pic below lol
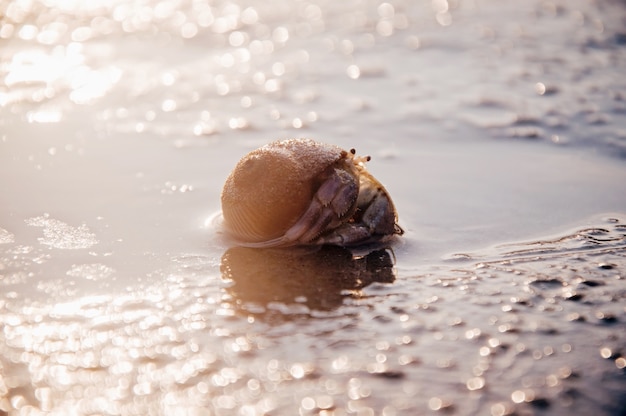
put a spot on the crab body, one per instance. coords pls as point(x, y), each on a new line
point(301, 192)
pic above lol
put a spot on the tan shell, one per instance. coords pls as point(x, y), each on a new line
point(271, 187)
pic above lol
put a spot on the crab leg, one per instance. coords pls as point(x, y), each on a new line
point(331, 203)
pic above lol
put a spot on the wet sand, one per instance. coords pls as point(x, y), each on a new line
point(497, 129)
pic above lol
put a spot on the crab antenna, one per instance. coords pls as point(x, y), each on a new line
point(359, 160)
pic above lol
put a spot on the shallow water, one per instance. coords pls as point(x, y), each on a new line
point(498, 129)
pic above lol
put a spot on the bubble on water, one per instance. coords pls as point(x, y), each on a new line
point(237, 38)
point(438, 403)
point(444, 18)
point(246, 101)
point(353, 71)
point(168, 105)
point(346, 46)
point(239, 123)
point(188, 30)
point(307, 403)
point(494, 342)
point(297, 123)
point(384, 28)
point(543, 89)
point(501, 409)
point(82, 33)
point(518, 396)
point(205, 128)
point(227, 60)
point(280, 34)
point(278, 69)
point(28, 32)
point(324, 402)
point(272, 85)
point(606, 317)
point(168, 78)
point(473, 333)
point(445, 363)
point(7, 30)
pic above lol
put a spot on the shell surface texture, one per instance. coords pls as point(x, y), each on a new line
point(302, 192)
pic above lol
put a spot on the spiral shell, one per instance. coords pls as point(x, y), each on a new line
point(271, 187)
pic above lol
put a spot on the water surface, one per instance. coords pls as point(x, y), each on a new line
point(498, 129)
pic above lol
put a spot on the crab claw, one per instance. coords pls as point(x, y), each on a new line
point(331, 204)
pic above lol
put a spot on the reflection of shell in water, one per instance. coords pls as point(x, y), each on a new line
point(272, 186)
point(318, 278)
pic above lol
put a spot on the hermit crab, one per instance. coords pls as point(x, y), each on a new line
point(302, 192)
